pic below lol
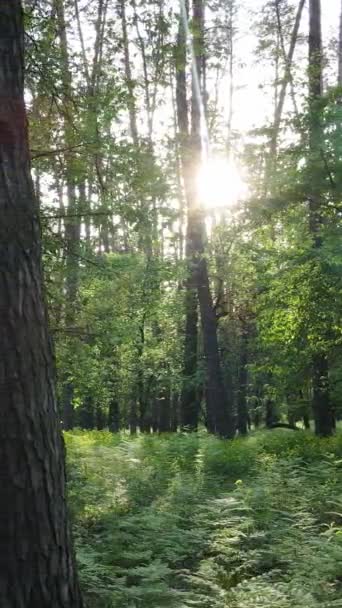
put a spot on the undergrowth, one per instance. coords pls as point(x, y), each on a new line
point(184, 521)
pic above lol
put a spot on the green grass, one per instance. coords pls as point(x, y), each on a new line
point(194, 521)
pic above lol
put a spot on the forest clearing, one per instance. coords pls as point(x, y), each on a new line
point(170, 303)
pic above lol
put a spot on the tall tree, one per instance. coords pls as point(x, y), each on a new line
point(36, 564)
point(219, 413)
point(72, 220)
point(189, 398)
point(322, 409)
point(339, 79)
point(287, 76)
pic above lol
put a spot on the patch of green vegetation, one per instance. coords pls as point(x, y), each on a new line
point(191, 520)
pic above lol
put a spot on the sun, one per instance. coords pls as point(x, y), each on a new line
point(220, 183)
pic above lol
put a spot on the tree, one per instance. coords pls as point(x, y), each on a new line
point(37, 565)
point(219, 414)
point(321, 403)
point(190, 399)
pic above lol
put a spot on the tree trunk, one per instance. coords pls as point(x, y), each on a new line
point(164, 407)
point(36, 562)
point(339, 79)
point(271, 417)
point(174, 412)
point(133, 418)
point(242, 391)
point(218, 409)
point(72, 220)
point(114, 416)
point(321, 404)
point(287, 77)
point(189, 401)
point(128, 75)
point(219, 415)
point(85, 413)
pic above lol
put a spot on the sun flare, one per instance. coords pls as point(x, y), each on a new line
point(220, 183)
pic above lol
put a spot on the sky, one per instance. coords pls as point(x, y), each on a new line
point(251, 100)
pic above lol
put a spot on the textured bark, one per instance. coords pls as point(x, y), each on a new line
point(36, 561)
point(321, 403)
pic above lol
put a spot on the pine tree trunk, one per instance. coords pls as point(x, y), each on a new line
point(36, 559)
point(321, 404)
point(189, 400)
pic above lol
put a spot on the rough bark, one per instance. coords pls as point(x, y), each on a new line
point(36, 560)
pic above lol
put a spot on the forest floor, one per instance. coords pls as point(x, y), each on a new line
point(194, 521)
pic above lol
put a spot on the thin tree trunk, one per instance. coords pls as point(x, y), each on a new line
point(81, 37)
point(36, 559)
point(339, 79)
point(128, 74)
point(231, 80)
point(287, 77)
point(147, 93)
